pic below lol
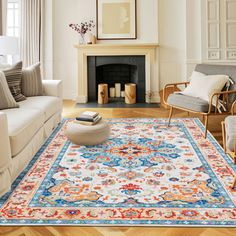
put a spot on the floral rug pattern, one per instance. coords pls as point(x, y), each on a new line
point(145, 174)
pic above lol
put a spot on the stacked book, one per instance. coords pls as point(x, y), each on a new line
point(88, 118)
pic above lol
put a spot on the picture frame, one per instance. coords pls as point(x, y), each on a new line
point(116, 19)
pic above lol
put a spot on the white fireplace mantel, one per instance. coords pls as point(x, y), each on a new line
point(144, 49)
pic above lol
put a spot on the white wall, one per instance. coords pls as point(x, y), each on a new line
point(175, 24)
point(193, 35)
point(172, 40)
point(64, 39)
point(180, 38)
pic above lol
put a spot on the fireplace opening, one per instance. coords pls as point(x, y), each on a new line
point(116, 73)
point(116, 69)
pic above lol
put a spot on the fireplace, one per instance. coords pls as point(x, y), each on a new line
point(116, 69)
point(145, 50)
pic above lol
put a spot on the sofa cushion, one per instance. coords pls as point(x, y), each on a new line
point(14, 77)
point(32, 81)
point(23, 124)
point(187, 102)
point(6, 98)
point(230, 126)
point(46, 104)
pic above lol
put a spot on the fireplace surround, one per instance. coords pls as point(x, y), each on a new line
point(148, 50)
point(116, 69)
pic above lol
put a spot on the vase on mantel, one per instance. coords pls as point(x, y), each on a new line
point(90, 38)
point(82, 40)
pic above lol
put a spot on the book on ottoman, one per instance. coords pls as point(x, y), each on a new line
point(88, 118)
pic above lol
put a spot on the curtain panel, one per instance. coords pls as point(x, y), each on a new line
point(31, 33)
point(1, 18)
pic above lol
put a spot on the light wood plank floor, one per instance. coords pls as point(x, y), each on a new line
point(70, 112)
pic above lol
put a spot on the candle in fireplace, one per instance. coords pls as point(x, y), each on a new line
point(118, 89)
point(112, 92)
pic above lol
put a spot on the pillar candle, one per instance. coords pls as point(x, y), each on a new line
point(118, 89)
point(112, 92)
point(122, 94)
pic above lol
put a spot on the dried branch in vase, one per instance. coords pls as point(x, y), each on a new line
point(83, 28)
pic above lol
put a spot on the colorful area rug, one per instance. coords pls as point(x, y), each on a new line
point(145, 174)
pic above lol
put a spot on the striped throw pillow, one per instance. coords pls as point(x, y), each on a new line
point(7, 101)
point(14, 77)
point(32, 81)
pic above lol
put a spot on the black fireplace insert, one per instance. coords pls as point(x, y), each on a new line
point(116, 69)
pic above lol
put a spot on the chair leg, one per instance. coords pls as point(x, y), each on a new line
point(170, 115)
point(224, 135)
point(234, 183)
point(234, 153)
point(206, 125)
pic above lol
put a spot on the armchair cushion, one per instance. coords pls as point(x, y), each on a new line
point(230, 128)
point(188, 102)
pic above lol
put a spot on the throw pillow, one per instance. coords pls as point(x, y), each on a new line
point(7, 100)
point(14, 76)
point(195, 84)
point(204, 86)
point(32, 81)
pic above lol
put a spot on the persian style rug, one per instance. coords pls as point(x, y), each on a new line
point(145, 174)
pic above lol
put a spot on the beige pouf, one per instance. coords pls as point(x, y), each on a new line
point(88, 135)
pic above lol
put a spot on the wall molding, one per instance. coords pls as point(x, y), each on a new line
point(193, 61)
point(219, 30)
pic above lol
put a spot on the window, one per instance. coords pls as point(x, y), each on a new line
point(13, 22)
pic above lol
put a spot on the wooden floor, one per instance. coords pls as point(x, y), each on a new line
point(70, 112)
point(214, 122)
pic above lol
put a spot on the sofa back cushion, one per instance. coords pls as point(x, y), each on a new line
point(6, 99)
point(14, 77)
point(32, 81)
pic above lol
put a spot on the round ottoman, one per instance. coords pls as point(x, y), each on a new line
point(88, 135)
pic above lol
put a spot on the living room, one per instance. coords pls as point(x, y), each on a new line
point(117, 117)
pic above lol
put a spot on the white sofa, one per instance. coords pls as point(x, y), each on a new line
point(23, 131)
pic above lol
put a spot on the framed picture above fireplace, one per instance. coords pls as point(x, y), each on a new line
point(116, 19)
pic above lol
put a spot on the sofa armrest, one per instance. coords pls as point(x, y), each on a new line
point(52, 88)
point(5, 149)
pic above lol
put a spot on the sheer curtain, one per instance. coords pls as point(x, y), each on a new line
point(1, 18)
point(3, 12)
point(31, 31)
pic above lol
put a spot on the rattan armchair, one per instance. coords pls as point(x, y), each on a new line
point(199, 106)
point(231, 151)
point(212, 109)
